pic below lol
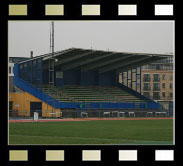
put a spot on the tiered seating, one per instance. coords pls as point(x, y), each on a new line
point(55, 92)
point(74, 93)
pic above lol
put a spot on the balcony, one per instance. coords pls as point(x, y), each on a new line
point(156, 79)
point(156, 89)
point(146, 79)
point(146, 88)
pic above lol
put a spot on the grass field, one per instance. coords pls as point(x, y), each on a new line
point(93, 132)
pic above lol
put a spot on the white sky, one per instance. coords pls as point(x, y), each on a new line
point(122, 36)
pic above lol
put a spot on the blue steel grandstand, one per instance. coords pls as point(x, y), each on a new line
point(85, 80)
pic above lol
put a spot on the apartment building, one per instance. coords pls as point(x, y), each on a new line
point(155, 81)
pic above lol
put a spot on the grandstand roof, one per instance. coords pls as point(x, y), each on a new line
point(103, 61)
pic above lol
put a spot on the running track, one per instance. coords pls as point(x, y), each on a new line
point(83, 119)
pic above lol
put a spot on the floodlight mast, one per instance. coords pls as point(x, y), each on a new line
point(51, 59)
point(51, 64)
point(52, 38)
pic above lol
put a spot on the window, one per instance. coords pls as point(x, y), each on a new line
point(171, 77)
point(146, 86)
point(9, 70)
point(163, 85)
point(156, 87)
point(146, 78)
point(171, 94)
point(163, 94)
point(171, 85)
point(156, 95)
point(159, 67)
point(163, 77)
point(59, 74)
point(156, 78)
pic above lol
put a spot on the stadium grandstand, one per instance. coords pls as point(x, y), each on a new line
point(84, 83)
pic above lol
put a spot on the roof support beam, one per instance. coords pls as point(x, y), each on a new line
point(60, 53)
point(133, 66)
point(66, 60)
point(126, 63)
point(107, 62)
point(47, 56)
point(89, 60)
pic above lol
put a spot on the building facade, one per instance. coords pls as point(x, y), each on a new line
point(155, 81)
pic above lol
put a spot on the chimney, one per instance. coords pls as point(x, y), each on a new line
point(31, 54)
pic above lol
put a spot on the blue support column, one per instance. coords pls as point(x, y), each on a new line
point(31, 72)
point(27, 73)
point(18, 70)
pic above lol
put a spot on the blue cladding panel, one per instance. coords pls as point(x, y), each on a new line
point(107, 79)
point(45, 76)
point(59, 82)
point(89, 78)
point(117, 79)
point(72, 77)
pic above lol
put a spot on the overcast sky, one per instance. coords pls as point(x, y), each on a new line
point(122, 36)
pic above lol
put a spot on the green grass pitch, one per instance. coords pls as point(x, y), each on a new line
point(93, 132)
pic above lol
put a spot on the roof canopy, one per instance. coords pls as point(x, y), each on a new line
point(102, 61)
